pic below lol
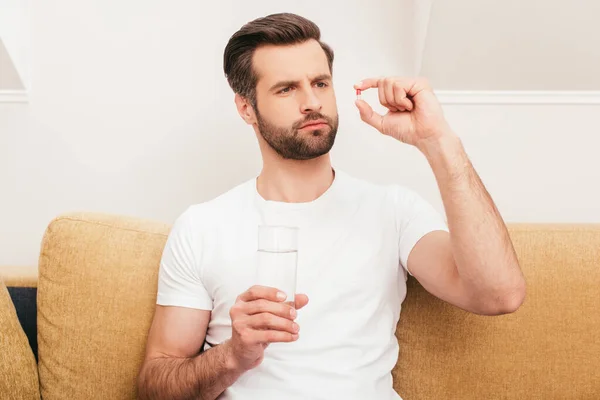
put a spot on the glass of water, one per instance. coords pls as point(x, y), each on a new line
point(278, 259)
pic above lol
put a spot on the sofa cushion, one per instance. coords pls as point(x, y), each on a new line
point(548, 349)
point(18, 369)
point(96, 298)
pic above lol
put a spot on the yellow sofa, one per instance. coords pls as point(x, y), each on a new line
point(96, 287)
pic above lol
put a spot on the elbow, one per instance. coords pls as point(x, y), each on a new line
point(510, 305)
point(510, 301)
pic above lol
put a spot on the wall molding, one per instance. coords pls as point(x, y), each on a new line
point(499, 97)
point(13, 96)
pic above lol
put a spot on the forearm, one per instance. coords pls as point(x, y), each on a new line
point(204, 377)
point(481, 246)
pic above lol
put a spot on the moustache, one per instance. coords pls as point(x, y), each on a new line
point(312, 117)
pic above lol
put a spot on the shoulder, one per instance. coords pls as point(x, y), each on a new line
point(354, 186)
point(200, 216)
point(390, 199)
point(405, 196)
point(391, 193)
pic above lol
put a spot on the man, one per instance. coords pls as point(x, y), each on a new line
point(359, 240)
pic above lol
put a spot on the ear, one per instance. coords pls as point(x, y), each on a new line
point(245, 109)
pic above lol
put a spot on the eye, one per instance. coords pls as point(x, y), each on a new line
point(285, 90)
point(322, 84)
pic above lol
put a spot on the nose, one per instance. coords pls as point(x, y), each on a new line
point(311, 103)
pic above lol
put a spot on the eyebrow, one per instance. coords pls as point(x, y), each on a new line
point(283, 84)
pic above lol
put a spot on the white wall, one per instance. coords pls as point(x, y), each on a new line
point(15, 53)
point(513, 45)
point(130, 114)
point(9, 77)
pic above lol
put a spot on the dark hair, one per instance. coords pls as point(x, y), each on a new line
point(274, 29)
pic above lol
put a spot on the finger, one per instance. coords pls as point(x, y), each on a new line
point(283, 310)
point(253, 336)
point(382, 97)
point(411, 86)
point(275, 336)
point(386, 96)
point(400, 97)
point(262, 292)
point(369, 116)
point(301, 301)
point(267, 321)
point(388, 89)
point(368, 83)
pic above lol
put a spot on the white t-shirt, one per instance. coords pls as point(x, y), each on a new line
point(354, 242)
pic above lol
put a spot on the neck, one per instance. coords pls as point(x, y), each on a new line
point(294, 181)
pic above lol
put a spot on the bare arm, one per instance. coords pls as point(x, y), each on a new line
point(475, 266)
point(173, 369)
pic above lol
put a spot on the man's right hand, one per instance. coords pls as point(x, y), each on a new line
point(261, 316)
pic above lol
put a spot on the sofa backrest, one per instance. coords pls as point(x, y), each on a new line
point(96, 296)
point(548, 349)
point(97, 291)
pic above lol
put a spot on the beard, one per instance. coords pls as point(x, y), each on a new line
point(292, 144)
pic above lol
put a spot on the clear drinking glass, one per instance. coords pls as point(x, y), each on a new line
point(278, 259)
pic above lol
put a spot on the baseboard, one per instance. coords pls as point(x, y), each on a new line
point(482, 97)
point(13, 96)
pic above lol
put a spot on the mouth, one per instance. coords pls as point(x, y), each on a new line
point(317, 124)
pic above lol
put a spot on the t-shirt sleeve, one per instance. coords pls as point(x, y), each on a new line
point(179, 278)
point(415, 218)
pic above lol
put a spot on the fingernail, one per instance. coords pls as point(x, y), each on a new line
point(295, 337)
point(281, 296)
point(295, 327)
point(293, 313)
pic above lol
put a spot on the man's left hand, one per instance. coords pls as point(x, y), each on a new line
point(415, 115)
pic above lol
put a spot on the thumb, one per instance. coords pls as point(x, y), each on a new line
point(368, 115)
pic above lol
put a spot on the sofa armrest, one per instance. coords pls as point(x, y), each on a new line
point(21, 283)
point(19, 276)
